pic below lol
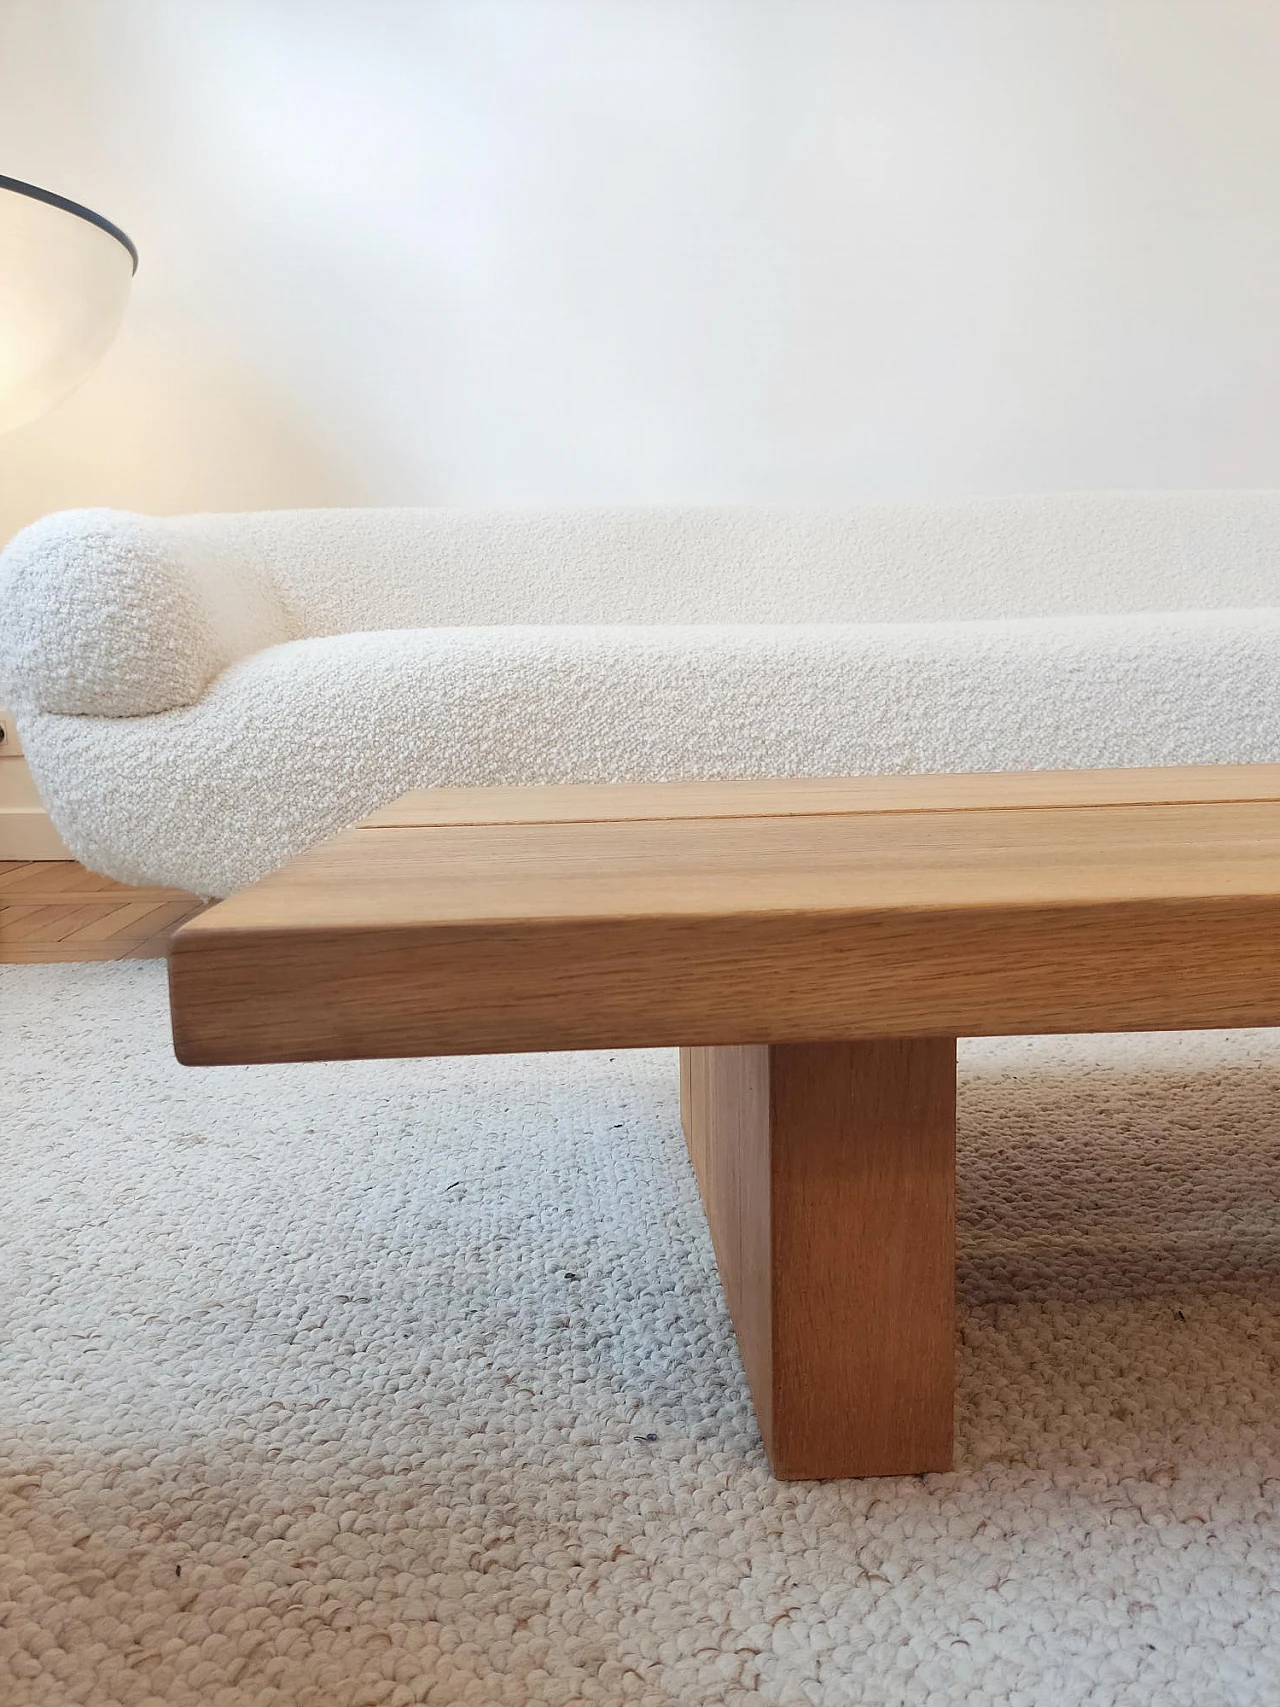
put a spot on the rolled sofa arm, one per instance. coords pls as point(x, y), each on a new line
point(109, 614)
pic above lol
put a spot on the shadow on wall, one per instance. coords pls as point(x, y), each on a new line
point(167, 424)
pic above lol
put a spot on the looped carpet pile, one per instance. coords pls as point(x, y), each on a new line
point(404, 1382)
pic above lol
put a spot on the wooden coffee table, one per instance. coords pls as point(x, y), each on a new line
point(815, 947)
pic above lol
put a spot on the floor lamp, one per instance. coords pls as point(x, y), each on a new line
point(65, 274)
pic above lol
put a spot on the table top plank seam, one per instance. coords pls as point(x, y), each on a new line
point(819, 812)
point(785, 797)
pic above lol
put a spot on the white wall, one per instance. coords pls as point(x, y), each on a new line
point(488, 251)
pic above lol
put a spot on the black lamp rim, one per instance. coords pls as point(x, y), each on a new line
point(68, 206)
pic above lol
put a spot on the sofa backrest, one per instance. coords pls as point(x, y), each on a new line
point(113, 614)
point(1075, 553)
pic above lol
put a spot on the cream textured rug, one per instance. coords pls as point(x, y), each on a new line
point(411, 1381)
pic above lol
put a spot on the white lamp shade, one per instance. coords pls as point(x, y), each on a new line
point(65, 274)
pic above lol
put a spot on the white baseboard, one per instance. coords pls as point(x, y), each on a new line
point(26, 832)
point(25, 828)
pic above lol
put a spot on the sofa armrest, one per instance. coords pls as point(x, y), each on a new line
point(110, 614)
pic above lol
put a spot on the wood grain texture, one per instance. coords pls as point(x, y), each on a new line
point(743, 927)
point(828, 1176)
point(679, 931)
point(700, 868)
point(55, 910)
point(686, 1096)
point(810, 796)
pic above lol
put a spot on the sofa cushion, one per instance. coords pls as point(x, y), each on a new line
point(299, 740)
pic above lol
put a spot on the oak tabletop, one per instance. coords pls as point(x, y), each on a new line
point(593, 916)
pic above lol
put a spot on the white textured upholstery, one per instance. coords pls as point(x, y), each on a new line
point(201, 697)
point(115, 615)
point(1072, 554)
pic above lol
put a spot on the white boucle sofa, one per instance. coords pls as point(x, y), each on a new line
point(201, 697)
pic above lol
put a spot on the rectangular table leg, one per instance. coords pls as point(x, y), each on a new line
point(827, 1171)
point(686, 1094)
